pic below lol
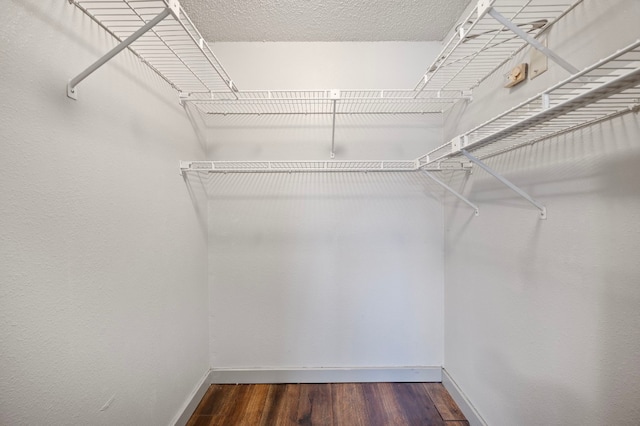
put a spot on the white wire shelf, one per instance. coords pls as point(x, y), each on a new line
point(173, 48)
point(270, 102)
point(606, 89)
point(315, 166)
point(479, 44)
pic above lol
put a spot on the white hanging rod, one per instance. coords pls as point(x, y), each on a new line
point(338, 113)
point(310, 166)
point(310, 94)
point(333, 102)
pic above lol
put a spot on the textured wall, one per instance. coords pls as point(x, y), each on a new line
point(339, 270)
point(542, 316)
point(103, 314)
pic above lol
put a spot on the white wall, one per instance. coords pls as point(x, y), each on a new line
point(341, 270)
point(103, 296)
point(310, 270)
point(325, 65)
point(542, 317)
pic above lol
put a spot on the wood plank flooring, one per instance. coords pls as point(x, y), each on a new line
point(331, 404)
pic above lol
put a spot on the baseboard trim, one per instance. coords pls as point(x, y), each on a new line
point(327, 375)
point(461, 399)
point(307, 375)
point(193, 400)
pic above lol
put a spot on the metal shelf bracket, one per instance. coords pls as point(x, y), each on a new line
point(502, 179)
point(334, 95)
point(484, 6)
point(526, 37)
point(333, 131)
point(174, 7)
point(454, 192)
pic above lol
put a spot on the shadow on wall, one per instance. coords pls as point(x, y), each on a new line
point(196, 186)
point(197, 123)
point(556, 302)
point(305, 137)
point(539, 169)
point(527, 393)
point(306, 186)
point(90, 36)
point(619, 308)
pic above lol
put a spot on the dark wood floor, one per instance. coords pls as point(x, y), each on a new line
point(348, 404)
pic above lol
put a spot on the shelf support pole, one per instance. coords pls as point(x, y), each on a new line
point(502, 179)
point(333, 131)
point(71, 86)
point(454, 192)
point(532, 41)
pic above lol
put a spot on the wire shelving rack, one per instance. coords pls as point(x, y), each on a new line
point(173, 47)
point(491, 33)
point(479, 44)
point(608, 88)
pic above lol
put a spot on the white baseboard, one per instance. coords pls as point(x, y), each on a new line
point(306, 375)
point(463, 402)
point(327, 375)
point(192, 401)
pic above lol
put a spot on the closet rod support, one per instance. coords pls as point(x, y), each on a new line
point(71, 86)
point(454, 192)
point(532, 41)
point(333, 131)
point(502, 179)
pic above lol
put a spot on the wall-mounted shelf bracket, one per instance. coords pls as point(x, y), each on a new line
point(333, 132)
point(73, 83)
point(183, 98)
point(502, 179)
point(334, 95)
point(526, 37)
point(454, 192)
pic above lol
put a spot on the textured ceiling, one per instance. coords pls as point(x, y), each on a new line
point(324, 20)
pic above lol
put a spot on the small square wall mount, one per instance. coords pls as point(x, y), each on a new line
point(72, 92)
point(334, 94)
point(538, 62)
point(484, 6)
point(458, 143)
point(174, 5)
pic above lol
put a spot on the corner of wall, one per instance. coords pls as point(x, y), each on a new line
point(467, 408)
point(192, 401)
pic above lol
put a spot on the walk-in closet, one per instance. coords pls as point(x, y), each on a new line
point(320, 212)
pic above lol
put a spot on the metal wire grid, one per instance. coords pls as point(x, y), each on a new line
point(606, 89)
point(486, 44)
point(173, 48)
point(297, 166)
point(321, 102)
point(176, 51)
point(595, 112)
